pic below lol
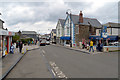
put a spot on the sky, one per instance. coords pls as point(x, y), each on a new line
point(42, 15)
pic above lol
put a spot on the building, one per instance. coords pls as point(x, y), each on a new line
point(113, 28)
point(5, 40)
point(29, 34)
point(59, 30)
point(77, 27)
point(53, 36)
point(84, 27)
point(45, 36)
point(112, 32)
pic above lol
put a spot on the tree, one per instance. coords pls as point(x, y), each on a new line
point(15, 38)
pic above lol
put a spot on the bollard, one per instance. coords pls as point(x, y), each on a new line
point(22, 51)
point(26, 49)
point(107, 50)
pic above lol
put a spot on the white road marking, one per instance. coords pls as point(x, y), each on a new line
point(57, 71)
point(43, 52)
point(53, 72)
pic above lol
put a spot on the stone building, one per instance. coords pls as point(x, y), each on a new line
point(85, 27)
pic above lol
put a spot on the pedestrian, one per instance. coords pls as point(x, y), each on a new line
point(12, 49)
point(20, 46)
point(28, 42)
point(101, 46)
point(17, 44)
point(83, 43)
point(91, 46)
point(98, 46)
point(32, 42)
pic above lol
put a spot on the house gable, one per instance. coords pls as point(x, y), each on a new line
point(67, 26)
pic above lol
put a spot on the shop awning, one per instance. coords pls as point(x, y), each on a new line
point(109, 37)
point(94, 37)
point(113, 38)
point(65, 38)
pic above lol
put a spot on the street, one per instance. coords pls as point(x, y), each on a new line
point(65, 63)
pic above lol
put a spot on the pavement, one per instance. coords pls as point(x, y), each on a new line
point(79, 49)
point(10, 60)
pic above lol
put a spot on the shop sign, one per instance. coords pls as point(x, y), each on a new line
point(10, 33)
point(3, 32)
point(104, 32)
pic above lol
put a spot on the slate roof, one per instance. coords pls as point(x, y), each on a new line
point(54, 30)
point(28, 32)
point(112, 24)
point(62, 22)
point(86, 21)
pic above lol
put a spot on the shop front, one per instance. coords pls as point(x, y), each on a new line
point(5, 41)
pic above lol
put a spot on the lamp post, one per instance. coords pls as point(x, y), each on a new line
point(68, 12)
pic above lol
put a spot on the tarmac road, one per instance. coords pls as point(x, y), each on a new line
point(66, 63)
point(74, 64)
point(32, 65)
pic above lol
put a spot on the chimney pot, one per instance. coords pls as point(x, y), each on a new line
point(81, 17)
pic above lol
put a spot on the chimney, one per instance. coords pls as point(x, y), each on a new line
point(81, 17)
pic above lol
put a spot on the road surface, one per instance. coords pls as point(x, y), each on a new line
point(65, 63)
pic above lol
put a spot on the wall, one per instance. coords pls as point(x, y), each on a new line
point(30, 35)
point(83, 33)
point(111, 48)
point(1, 24)
point(53, 37)
point(98, 32)
point(67, 25)
point(59, 30)
point(110, 31)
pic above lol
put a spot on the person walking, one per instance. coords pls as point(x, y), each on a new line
point(91, 46)
point(12, 49)
point(17, 44)
point(20, 46)
point(28, 42)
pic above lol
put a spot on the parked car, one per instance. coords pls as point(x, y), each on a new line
point(43, 43)
point(114, 44)
point(47, 42)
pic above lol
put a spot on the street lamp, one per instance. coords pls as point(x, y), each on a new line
point(68, 12)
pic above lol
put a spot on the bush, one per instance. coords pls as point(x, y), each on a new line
point(25, 41)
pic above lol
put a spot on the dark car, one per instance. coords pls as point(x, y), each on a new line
point(43, 43)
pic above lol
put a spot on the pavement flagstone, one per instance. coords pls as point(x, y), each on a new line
point(11, 59)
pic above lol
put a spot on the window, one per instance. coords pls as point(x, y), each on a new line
point(90, 28)
point(68, 30)
point(77, 29)
point(99, 31)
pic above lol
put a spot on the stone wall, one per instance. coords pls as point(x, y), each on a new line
point(83, 33)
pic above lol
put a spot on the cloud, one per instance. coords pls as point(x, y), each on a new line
point(119, 12)
point(44, 15)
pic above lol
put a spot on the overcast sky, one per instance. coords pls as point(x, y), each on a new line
point(42, 16)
